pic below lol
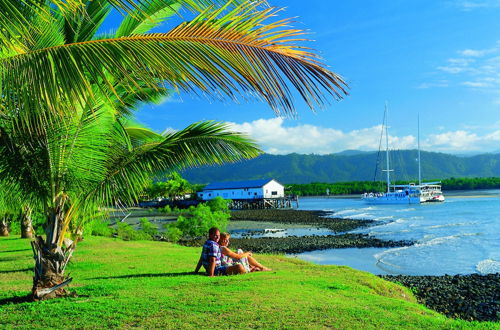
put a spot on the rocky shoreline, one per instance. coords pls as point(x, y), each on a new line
point(468, 297)
point(294, 244)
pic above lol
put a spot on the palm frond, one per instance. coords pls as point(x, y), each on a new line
point(81, 25)
point(203, 143)
point(221, 54)
point(153, 15)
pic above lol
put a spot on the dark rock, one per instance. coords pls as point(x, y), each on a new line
point(469, 297)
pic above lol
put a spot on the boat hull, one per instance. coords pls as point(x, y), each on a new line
point(434, 199)
point(391, 200)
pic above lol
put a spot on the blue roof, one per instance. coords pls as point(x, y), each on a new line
point(237, 184)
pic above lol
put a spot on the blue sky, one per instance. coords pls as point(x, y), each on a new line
point(436, 58)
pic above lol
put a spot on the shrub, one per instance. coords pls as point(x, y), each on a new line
point(165, 209)
point(201, 219)
point(173, 234)
point(98, 228)
point(219, 204)
point(128, 233)
point(148, 228)
point(14, 227)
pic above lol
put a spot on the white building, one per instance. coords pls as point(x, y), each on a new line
point(254, 189)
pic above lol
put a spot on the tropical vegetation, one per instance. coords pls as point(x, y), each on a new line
point(175, 186)
point(359, 187)
point(68, 142)
point(197, 220)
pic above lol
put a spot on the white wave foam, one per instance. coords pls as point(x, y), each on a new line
point(357, 210)
point(406, 210)
point(441, 240)
point(388, 217)
point(488, 266)
point(432, 242)
point(361, 216)
point(451, 225)
point(346, 211)
point(380, 256)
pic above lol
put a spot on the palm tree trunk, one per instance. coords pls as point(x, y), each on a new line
point(50, 263)
point(50, 258)
point(4, 226)
point(26, 223)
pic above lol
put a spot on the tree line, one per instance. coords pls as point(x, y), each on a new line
point(359, 187)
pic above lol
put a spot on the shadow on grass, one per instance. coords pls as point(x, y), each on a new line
point(15, 250)
point(149, 275)
point(12, 258)
point(16, 271)
point(16, 300)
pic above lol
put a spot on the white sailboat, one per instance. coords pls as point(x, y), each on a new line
point(405, 194)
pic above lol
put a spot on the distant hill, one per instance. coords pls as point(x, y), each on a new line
point(349, 166)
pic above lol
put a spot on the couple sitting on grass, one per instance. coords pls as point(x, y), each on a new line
point(218, 259)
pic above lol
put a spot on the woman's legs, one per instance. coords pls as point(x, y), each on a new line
point(236, 269)
point(256, 264)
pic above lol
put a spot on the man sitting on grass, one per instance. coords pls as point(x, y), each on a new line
point(211, 257)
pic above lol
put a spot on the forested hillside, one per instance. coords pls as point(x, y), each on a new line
point(362, 166)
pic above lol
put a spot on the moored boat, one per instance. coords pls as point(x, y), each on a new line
point(404, 194)
point(430, 192)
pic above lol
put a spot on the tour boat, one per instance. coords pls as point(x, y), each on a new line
point(424, 192)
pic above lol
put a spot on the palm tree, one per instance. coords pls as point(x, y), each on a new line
point(73, 167)
point(4, 224)
point(65, 144)
point(11, 205)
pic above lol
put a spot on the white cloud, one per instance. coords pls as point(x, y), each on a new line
point(442, 83)
point(451, 69)
point(277, 138)
point(478, 69)
point(477, 84)
point(462, 141)
point(475, 52)
point(493, 137)
point(468, 5)
point(458, 140)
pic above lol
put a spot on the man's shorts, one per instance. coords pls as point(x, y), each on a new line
point(221, 270)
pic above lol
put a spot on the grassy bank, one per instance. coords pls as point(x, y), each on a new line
point(148, 284)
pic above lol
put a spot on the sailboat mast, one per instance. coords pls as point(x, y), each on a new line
point(387, 150)
point(418, 139)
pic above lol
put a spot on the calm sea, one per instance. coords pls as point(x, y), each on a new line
point(459, 236)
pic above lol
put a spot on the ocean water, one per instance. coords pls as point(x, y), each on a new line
point(459, 236)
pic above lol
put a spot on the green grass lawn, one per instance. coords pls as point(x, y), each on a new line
point(149, 284)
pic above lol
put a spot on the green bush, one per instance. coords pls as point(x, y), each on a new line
point(173, 234)
point(165, 209)
point(128, 233)
point(219, 204)
point(15, 228)
point(148, 228)
point(200, 220)
point(98, 228)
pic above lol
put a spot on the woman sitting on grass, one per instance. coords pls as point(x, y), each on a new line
point(229, 258)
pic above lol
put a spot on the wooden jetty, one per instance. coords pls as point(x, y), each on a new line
point(265, 203)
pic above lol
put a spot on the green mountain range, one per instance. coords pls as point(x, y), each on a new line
point(350, 166)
